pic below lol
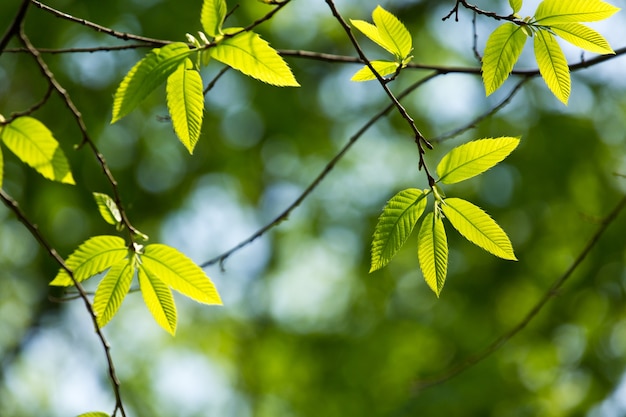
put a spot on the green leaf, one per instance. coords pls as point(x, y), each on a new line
point(477, 227)
point(552, 64)
point(432, 251)
point(516, 5)
point(112, 290)
point(147, 75)
point(473, 158)
point(94, 414)
point(212, 16)
point(185, 101)
point(32, 142)
point(382, 67)
point(583, 37)
point(394, 35)
point(371, 32)
point(248, 53)
point(158, 299)
point(108, 209)
point(180, 273)
point(570, 11)
point(502, 51)
point(92, 257)
point(395, 225)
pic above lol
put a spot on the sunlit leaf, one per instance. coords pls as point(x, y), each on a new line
point(395, 225)
point(473, 158)
point(95, 414)
point(147, 75)
point(180, 273)
point(371, 31)
point(569, 11)
point(248, 53)
point(516, 5)
point(158, 299)
point(32, 142)
point(112, 290)
point(432, 252)
point(502, 51)
point(583, 37)
point(212, 16)
point(92, 257)
point(393, 33)
point(382, 67)
point(552, 64)
point(477, 227)
point(185, 102)
point(108, 209)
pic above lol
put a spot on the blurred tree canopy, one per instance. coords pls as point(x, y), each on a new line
point(305, 330)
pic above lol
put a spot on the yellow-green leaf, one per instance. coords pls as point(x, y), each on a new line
point(516, 5)
point(473, 158)
point(371, 31)
point(583, 37)
point(395, 225)
point(394, 35)
point(552, 64)
point(107, 208)
point(112, 290)
point(248, 53)
point(569, 11)
point(432, 252)
point(477, 227)
point(383, 68)
point(502, 51)
point(158, 299)
point(185, 102)
point(94, 414)
point(180, 273)
point(212, 16)
point(147, 75)
point(32, 142)
point(92, 257)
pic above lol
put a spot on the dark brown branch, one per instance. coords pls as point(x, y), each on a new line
point(14, 27)
point(31, 110)
point(455, 11)
point(83, 50)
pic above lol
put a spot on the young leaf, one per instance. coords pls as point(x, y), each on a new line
point(393, 33)
point(432, 252)
point(108, 209)
point(212, 16)
point(90, 258)
point(112, 290)
point(473, 158)
point(382, 67)
point(583, 37)
point(94, 414)
point(180, 273)
point(477, 227)
point(147, 75)
point(32, 142)
point(516, 5)
point(395, 225)
point(570, 11)
point(552, 64)
point(248, 53)
point(371, 32)
point(158, 299)
point(185, 102)
point(502, 51)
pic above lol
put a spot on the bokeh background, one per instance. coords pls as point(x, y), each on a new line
point(305, 330)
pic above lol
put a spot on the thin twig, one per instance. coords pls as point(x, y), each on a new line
point(30, 110)
point(84, 49)
point(14, 27)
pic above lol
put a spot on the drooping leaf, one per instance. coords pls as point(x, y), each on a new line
point(94, 414)
point(212, 16)
point(112, 290)
point(180, 273)
point(395, 225)
point(552, 65)
point(92, 257)
point(32, 142)
point(477, 227)
point(382, 67)
point(249, 53)
point(371, 31)
point(474, 158)
point(583, 37)
point(147, 75)
point(185, 102)
point(432, 252)
point(502, 51)
point(393, 33)
point(516, 5)
point(570, 11)
point(108, 209)
point(158, 299)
